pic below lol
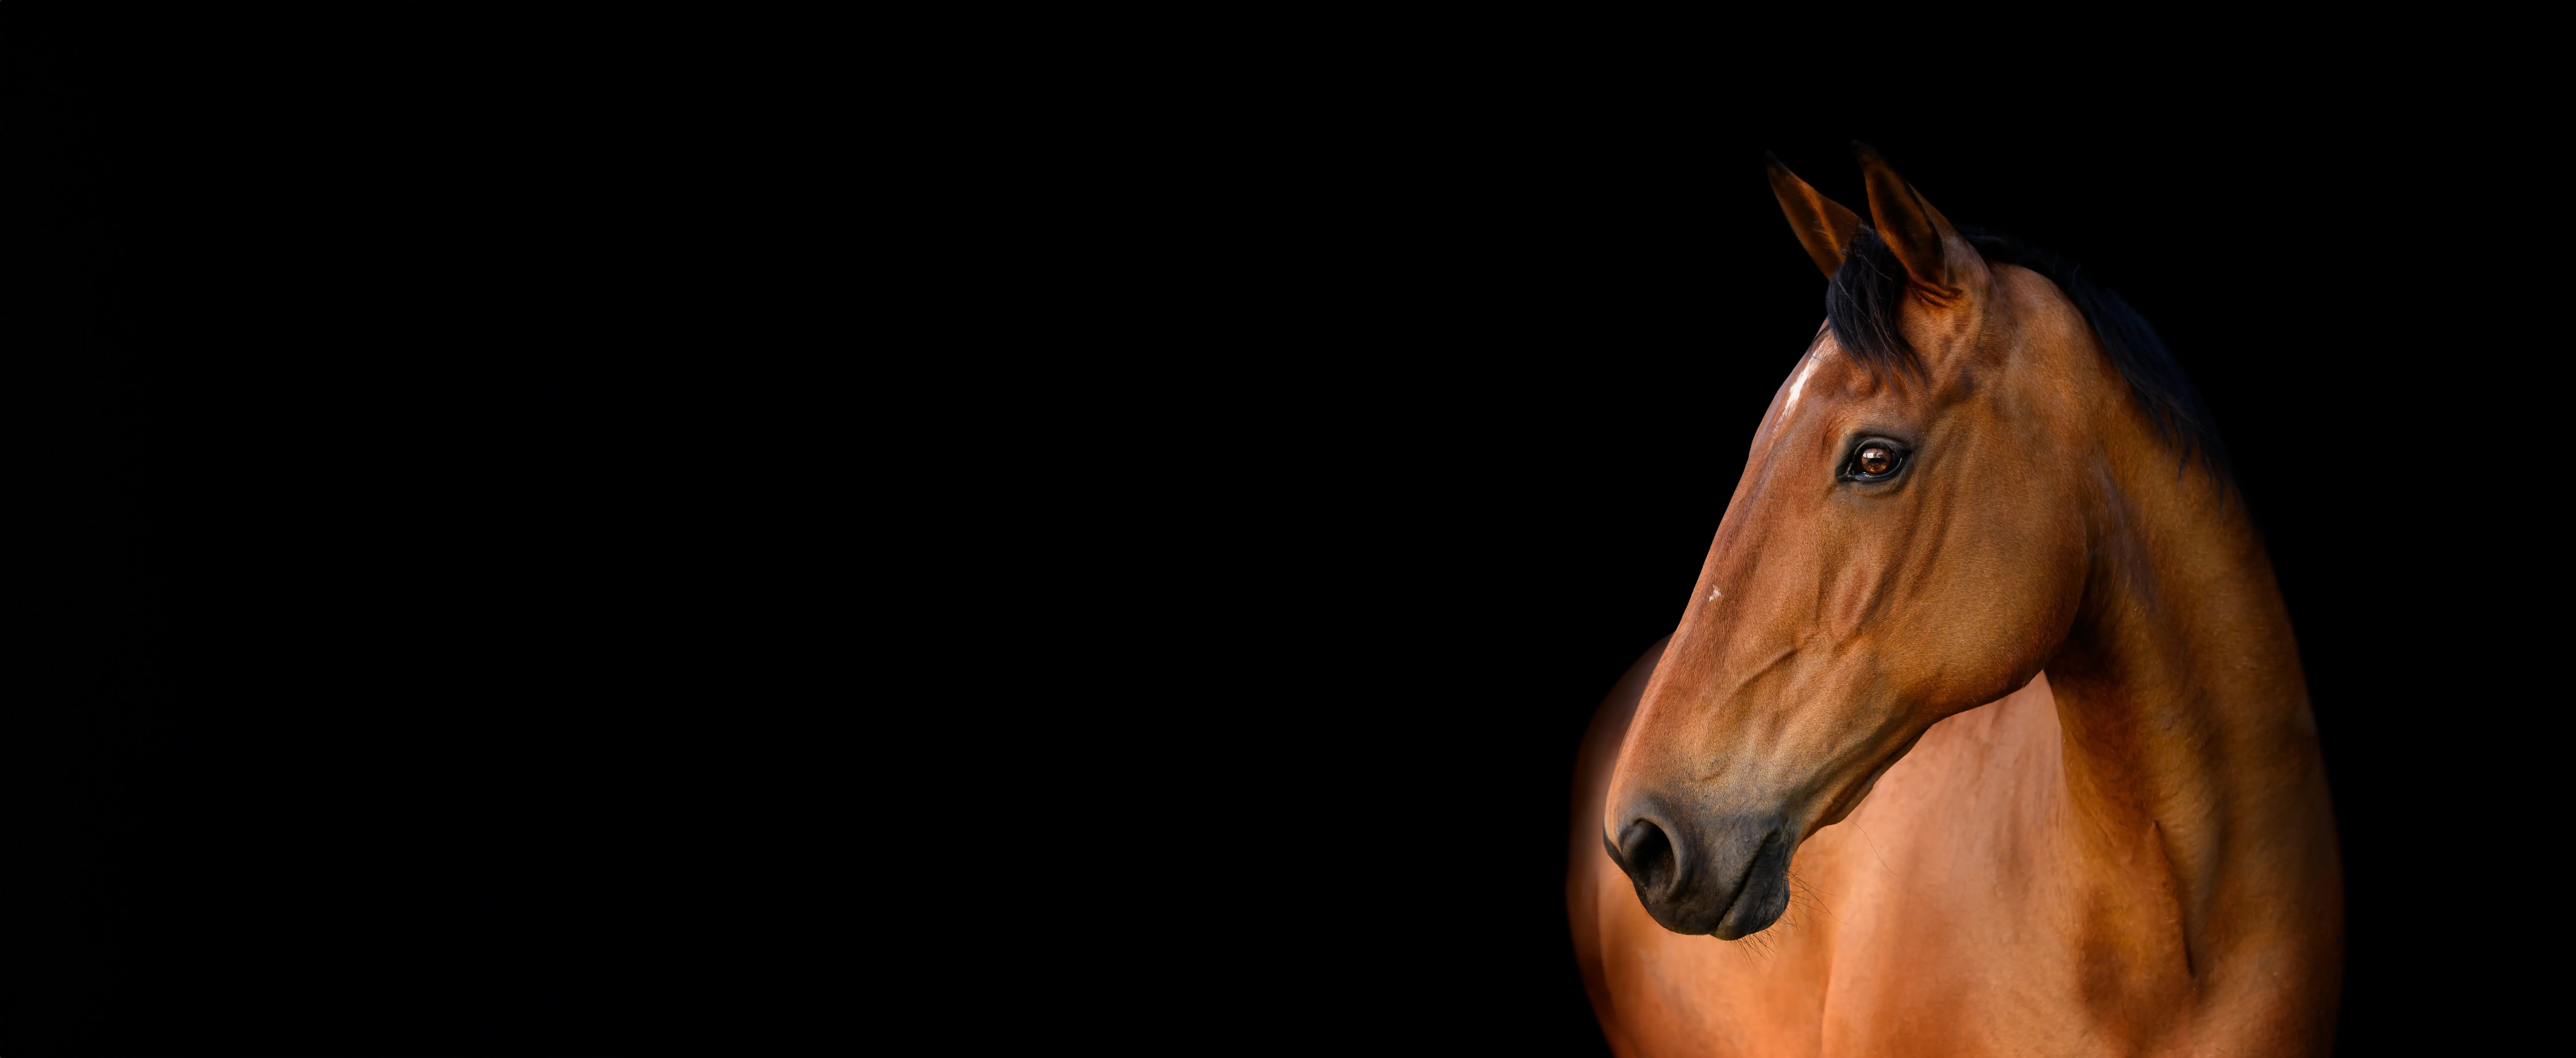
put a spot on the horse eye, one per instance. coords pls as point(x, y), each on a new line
point(1874, 461)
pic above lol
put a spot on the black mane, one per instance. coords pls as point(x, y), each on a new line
point(1863, 299)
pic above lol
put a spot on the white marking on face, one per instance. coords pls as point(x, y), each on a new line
point(1810, 369)
point(1712, 596)
point(1800, 385)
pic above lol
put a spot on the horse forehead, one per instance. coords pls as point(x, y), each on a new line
point(1821, 371)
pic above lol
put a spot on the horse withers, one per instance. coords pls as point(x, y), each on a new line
point(1984, 730)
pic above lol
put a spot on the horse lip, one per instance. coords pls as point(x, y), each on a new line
point(1743, 882)
point(1743, 885)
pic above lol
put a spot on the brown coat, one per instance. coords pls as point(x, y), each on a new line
point(1848, 765)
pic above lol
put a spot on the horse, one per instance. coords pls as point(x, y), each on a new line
point(1984, 730)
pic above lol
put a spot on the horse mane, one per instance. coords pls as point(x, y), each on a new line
point(1865, 294)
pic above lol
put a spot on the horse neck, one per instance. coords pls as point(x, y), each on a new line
point(2186, 728)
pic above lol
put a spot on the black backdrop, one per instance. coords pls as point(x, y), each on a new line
point(563, 538)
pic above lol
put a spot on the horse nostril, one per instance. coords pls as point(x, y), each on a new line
point(1647, 854)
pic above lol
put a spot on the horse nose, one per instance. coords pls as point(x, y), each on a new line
point(1645, 850)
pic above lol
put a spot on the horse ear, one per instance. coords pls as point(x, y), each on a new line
point(1915, 232)
point(1824, 227)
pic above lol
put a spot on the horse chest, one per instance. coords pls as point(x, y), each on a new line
point(1939, 918)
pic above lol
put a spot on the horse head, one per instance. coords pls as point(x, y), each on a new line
point(1911, 538)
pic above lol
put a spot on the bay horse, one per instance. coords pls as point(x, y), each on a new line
point(1984, 730)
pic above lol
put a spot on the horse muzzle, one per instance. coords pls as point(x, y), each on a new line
point(1728, 877)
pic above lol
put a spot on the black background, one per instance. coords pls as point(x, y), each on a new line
point(568, 537)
